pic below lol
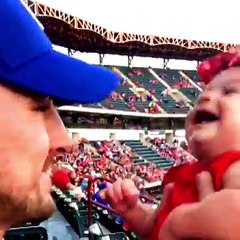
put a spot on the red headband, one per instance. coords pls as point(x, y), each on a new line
point(214, 65)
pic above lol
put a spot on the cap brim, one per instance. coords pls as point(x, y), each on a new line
point(64, 78)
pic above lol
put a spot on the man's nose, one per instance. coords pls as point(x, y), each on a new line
point(59, 140)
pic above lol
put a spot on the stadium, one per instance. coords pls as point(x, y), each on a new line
point(137, 132)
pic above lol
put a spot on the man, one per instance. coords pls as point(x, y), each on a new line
point(31, 131)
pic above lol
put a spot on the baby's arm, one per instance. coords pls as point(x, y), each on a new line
point(231, 178)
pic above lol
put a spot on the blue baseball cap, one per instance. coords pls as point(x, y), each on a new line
point(28, 60)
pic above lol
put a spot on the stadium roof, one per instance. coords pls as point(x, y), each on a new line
point(186, 19)
point(74, 33)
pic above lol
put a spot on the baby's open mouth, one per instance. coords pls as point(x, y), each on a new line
point(205, 116)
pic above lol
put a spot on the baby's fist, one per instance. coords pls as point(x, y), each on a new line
point(122, 195)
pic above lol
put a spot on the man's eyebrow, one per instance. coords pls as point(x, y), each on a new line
point(24, 92)
point(38, 98)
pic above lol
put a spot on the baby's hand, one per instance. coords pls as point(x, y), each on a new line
point(122, 195)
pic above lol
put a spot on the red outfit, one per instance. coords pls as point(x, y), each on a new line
point(185, 188)
point(61, 179)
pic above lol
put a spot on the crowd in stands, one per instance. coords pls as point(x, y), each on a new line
point(111, 160)
point(178, 81)
point(140, 92)
point(175, 152)
point(183, 83)
point(104, 122)
point(154, 103)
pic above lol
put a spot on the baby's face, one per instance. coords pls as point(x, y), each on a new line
point(213, 126)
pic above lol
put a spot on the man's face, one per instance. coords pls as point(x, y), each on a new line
point(31, 133)
point(213, 126)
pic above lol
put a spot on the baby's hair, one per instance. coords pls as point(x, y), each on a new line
point(209, 68)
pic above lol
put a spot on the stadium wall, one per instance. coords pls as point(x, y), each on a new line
point(123, 134)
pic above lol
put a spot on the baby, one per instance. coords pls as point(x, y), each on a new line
point(213, 135)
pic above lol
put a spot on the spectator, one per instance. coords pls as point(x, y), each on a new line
point(98, 195)
point(64, 179)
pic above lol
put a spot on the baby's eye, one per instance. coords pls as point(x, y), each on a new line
point(227, 91)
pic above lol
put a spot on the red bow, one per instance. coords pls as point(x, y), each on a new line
point(214, 65)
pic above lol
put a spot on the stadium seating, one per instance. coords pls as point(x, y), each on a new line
point(93, 105)
point(171, 77)
point(193, 75)
point(103, 225)
point(124, 89)
point(148, 154)
point(27, 233)
point(191, 93)
point(155, 90)
point(146, 80)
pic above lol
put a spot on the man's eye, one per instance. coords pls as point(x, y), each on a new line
point(42, 108)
